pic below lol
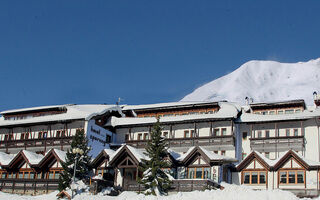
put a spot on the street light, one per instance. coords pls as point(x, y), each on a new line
point(75, 151)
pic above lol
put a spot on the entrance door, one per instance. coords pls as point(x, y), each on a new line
point(129, 178)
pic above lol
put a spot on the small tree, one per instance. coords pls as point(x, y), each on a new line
point(83, 167)
point(155, 180)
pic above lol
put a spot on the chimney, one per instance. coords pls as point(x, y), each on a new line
point(247, 101)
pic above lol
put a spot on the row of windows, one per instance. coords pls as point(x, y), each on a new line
point(179, 114)
point(187, 134)
point(254, 177)
point(199, 173)
point(41, 134)
point(53, 174)
point(289, 132)
point(279, 112)
point(286, 177)
point(291, 177)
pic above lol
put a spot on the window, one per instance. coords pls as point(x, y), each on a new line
point(186, 134)
point(26, 136)
point(298, 110)
point(267, 154)
point(262, 177)
point(191, 173)
point(223, 131)
point(31, 175)
point(259, 134)
point(267, 134)
point(280, 112)
point(40, 135)
point(289, 111)
point(254, 177)
point(292, 177)
point(3, 175)
point(44, 134)
point(58, 134)
point(108, 139)
point(146, 136)
point(199, 173)
point(140, 136)
point(216, 132)
point(295, 132)
point(192, 133)
point(246, 178)
point(271, 112)
point(287, 132)
point(244, 135)
point(244, 155)
point(264, 112)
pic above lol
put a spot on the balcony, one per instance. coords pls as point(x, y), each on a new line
point(178, 185)
point(41, 142)
point(226, 140)
point(275, 144)
point(29, 184)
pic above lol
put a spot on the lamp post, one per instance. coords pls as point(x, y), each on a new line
point(75, 151)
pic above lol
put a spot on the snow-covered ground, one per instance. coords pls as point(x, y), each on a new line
point(231, 192)
point(264, 81)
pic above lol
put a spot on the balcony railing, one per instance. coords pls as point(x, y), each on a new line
point(274, 144)
point(29, 184)
point(39, 142)
point(178, 185)
point(226, 140)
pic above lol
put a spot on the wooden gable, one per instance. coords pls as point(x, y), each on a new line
point(196, 158)
point(19, 161)
point(291, 161)
point(253, 161)
point(124, 155)
point(51, 160)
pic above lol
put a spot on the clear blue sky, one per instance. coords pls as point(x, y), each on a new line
point(57, 52)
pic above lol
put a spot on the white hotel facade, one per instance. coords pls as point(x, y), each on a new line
point(262, 145)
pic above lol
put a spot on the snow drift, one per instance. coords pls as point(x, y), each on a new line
point(264, 81)
point(231, 192)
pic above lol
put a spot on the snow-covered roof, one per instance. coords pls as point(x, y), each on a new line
point(32, 157)
point(165, 105)
point(5, 158)
point(61, 154)
point(226, 111)
point(137, 153)
point(85, 111)
point(216, 157)
point(274, 163)
point(306, 114)
point(110, 152)
point(212, 156)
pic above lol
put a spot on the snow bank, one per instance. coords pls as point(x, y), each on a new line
point(231, 192)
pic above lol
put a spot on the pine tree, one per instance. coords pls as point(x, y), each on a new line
point(83, 167)
point(154, 179)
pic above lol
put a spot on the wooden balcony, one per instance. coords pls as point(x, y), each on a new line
point(226, 140)
point(275, 144)
point(178, 185)
point(21, 185)
point(41, 142)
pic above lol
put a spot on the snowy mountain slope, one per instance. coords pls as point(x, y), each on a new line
point(264, 81)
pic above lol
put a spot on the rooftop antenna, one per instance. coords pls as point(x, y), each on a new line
point(119, 99)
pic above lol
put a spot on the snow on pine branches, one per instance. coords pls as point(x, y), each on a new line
point(83, 167)
point(154, 179)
